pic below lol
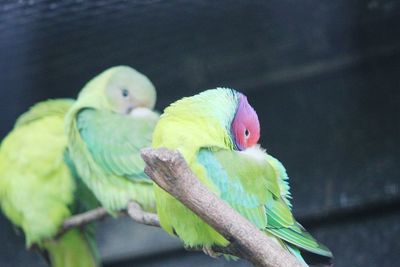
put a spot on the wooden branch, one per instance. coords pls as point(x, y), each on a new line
point(138, 215)
point(83, 219)
point(133, 210)
point(169, 170)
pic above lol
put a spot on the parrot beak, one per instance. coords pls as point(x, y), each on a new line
point(129, 109)
point(135, 103)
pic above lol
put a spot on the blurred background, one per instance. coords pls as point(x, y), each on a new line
point(324, 77)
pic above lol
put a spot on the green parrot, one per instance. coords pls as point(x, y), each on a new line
point(110, 122)
point(217, 133)
point(38, 186)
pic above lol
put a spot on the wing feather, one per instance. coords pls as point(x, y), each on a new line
point(252, 181)
point(115, 140)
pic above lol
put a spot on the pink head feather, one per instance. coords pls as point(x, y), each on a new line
point(245, 125)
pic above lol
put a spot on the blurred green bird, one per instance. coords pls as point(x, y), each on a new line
point(39, 189)
point(110, 122)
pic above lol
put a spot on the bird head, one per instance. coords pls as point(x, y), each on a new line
point(245, 126)
point(119, 89)
point(218, 117)
point(127, 89)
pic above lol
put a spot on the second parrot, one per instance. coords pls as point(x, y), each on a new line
point(110, 122)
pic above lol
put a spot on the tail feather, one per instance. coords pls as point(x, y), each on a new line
point(301, 244)
point(316, 260)
point(308, 258)
point(72, 249)
point(295, 251)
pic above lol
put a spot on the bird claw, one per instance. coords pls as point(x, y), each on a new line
point(210, 252)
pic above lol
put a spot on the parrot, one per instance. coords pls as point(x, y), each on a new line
point(38, 186)
point(111, 120)
point(217, 132)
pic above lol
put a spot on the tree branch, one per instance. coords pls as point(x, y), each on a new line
point(169, 170)
point(83, 219)
point(138, 215)
point(133, 210)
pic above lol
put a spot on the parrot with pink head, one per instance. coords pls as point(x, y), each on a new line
point(217, 132)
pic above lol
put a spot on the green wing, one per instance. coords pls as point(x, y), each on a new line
point(115, 140)
point(51, 107)
point(84, 198)
point(253, 183)
point(282, 177)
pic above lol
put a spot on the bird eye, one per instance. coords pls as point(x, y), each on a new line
point(246, 133)
point(125, 92)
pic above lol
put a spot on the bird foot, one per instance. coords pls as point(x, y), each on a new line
point(210, 252)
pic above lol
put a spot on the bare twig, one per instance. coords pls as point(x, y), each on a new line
point(138, 215)
point(133, 210)
point(169, 170)
point(83, 219)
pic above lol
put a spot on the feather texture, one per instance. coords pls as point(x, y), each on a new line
point(37, 186)
point(105, 144)
point(105, 147)
point(254, 183)
point(119, 155)
point(34, 179)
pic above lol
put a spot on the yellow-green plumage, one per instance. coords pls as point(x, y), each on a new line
point(251, 181)
point(36, 185)
point(34, 177)
point(188, 125)
point(106, 131)
point(73, 249)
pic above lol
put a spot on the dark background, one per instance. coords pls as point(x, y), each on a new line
point(324, 77)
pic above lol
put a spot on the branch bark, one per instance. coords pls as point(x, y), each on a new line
point(169, 170)
point(138, 215)
point(133, 210)
point(83, 219)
